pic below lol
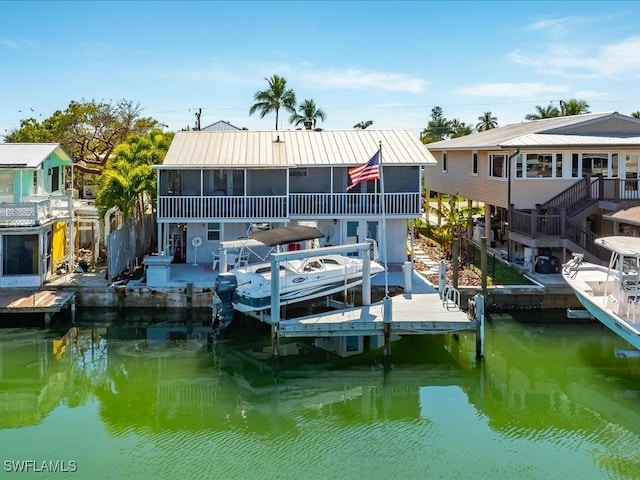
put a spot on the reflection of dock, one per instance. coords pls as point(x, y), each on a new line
point(46, 302)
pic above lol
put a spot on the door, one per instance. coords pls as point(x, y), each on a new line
point(630, 175)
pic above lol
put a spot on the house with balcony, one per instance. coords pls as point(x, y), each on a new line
point(550, 185)
point(216, 186)
point(36, 214)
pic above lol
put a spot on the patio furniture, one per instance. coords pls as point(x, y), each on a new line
point(216, 261)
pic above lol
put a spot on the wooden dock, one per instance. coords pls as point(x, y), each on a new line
point(410, 315)
point(46, 302)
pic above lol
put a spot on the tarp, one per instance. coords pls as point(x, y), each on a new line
point(282, 235)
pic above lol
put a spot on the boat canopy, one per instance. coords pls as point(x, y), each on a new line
point(283, 235)
point(623, 245)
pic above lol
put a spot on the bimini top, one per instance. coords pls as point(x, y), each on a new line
point(282, 235)
point(624, 245)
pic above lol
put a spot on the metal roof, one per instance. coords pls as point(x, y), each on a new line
point(29, 155)
point(294, 148)
point(539, 140)
point(509, 135)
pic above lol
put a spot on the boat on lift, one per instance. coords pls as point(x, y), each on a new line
point(311, 276)
point(611, 294)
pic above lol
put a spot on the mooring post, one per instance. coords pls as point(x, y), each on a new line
point(189, 292)
point(455, 260)
point(73, 309)
point(275, 341)
point(479, 317)
point(387, 318)
point(120, 289)
point(483, 264)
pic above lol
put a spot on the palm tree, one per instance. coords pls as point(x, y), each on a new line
point(486, 122)
point(277, 96)
point(573, 107)
point(364, 124)
point(543, 112)
point(308, 114)
point(459, 129)
point(456, 220)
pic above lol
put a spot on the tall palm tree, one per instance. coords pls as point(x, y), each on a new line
point(486, 122)
point(543, 112)
point(573, 106)
point(459, 129)
point(308, 114)
point(274, 98)
point(364, 124)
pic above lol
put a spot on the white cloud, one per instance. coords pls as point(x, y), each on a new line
point(355, 79)
point(512, 89)
point(9, 44)
point(613, 61)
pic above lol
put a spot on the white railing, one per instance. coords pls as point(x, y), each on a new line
point(297, 205)
point(34, 210)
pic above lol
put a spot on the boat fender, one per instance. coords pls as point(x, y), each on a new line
point(471, 312)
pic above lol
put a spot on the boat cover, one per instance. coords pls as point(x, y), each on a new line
point(282, 235)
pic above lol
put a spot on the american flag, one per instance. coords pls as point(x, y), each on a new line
point(365, 172)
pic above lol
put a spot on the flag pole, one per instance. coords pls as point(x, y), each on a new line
point(384, 222)
point(387, 315)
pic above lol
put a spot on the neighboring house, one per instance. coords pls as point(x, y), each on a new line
point(217, 185)
point(549, 183)
point(220, 125)
point(36, 215)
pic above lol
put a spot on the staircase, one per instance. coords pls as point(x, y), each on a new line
point(561, 216)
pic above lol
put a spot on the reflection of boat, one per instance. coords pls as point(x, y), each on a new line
point(611, 294)
point(304, 278)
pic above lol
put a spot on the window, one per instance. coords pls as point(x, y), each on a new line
point(213, 231)
point(6, 186)
point(584, 164)
point(539, 165)
point(55, 179)
point(498, 165)
point(474, 163)
point(21, 255)
point(298, 172)
point(444, 161)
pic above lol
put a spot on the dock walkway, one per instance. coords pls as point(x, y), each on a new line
point(46, 302)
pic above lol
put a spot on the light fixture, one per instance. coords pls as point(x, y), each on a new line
point(335, 221)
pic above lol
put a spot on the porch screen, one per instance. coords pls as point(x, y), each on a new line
point(20, 254)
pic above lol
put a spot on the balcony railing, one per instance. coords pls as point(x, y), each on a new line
point(297, 205)
point(35, 210)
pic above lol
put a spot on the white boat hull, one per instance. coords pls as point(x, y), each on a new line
point(611, 294)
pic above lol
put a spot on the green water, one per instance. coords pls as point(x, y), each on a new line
point(109, 399)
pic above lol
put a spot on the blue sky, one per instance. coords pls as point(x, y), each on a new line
point(385, 61)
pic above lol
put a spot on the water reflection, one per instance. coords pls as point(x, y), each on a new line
point(539, 384)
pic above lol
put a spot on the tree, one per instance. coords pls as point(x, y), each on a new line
point(635, 114)
point(88, 130)
point(456, 220)
point(307, 114)
point(277, 96)
point(459, 129)
point(573, 107)
point(364, 124)
point(543, 112)
point(438, 128)
point(486, 122)
point(128, 183)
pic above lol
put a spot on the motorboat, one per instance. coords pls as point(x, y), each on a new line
point(611, 294)
point(314, 273)
point(299, 280)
